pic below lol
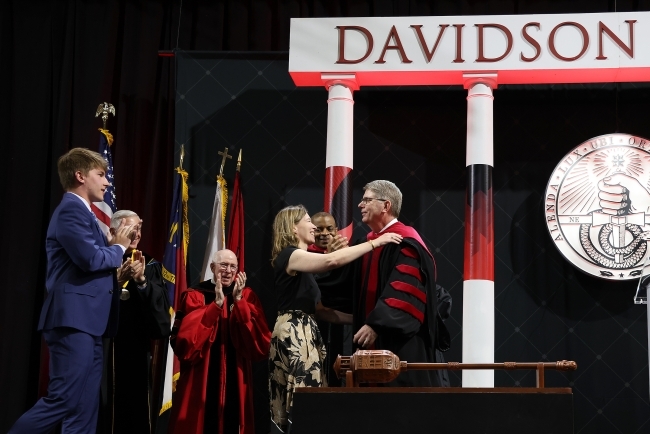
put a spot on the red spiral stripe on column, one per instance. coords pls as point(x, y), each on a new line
point(479, 224)
point(338, 197)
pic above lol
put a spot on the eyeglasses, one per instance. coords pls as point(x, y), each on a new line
point(367, 200)
point(225, 266)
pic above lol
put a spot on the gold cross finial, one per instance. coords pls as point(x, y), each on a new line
point(225, 155)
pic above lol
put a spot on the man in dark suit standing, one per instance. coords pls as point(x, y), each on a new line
point(82, 299)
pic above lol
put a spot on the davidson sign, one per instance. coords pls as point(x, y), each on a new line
point(577, 48)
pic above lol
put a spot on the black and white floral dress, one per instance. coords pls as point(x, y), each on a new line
point(297, 348)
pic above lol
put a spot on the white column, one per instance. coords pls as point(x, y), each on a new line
point(340, 126)
point(480, 114)
point(340, 118)
point(338, 157)
point(478, 331)
point(478, 287)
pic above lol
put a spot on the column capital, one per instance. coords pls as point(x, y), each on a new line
point(347, 80)
point(486, 78)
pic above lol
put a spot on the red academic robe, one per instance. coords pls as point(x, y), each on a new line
point(250, 335)
point(313, 248)
point(398, 299)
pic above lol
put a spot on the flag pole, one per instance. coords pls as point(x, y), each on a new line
point(182, 156)
point(216, 235)
point(174, 272)
point(225, 155)
point(236, 218)
point(104, 209)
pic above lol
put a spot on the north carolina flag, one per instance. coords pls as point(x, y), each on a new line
point(104, 210)
point(174, 275)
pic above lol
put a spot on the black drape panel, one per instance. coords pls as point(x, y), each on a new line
point(59, 59)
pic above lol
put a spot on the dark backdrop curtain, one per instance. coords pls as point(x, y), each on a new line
point(59, 59)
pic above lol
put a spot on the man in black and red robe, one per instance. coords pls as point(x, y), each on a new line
point(336, 293)
point(396, 306)
point(335, 289)
point(222, 331)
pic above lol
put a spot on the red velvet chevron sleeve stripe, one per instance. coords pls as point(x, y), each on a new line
point(410, 252)
point(410, 270)
point(409, 289)
point(400, 308)
point(406, 307)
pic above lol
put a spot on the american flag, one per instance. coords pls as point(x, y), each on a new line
point(104, 210)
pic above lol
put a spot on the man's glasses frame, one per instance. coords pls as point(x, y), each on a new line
point(367, 200)
point(225, 266)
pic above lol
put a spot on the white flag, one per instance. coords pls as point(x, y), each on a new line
point(216, 238)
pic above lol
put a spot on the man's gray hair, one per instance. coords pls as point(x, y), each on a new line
point(119, 215)
point(387, 190)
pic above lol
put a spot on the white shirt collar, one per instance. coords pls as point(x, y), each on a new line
point(390, 223)
point(83, 200)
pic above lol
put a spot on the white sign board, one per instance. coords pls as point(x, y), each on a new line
point(387, 51)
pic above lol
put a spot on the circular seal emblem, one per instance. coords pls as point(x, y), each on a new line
point(597, 206)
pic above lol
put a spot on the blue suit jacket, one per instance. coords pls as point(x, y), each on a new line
point(81, 272)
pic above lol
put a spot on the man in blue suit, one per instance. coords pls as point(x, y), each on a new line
point(82, 299)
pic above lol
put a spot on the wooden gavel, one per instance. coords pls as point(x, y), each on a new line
point(382, 366)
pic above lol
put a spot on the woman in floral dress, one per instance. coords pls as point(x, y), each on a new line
point(297, 349)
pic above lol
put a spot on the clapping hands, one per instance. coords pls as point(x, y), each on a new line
point(132, 268)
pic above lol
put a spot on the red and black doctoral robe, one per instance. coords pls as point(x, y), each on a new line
point(398, 300)
point(215, 346)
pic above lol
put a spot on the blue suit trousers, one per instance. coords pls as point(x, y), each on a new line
point(73, 391)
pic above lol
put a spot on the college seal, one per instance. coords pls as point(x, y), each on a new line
point(597, 206)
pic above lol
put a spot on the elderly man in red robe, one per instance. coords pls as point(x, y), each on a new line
point(222, 331)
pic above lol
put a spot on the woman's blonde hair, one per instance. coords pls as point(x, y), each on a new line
point(283, 225)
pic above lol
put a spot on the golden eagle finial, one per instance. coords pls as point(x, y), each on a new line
point(104, 109)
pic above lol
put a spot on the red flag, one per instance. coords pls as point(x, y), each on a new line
point(236, 220)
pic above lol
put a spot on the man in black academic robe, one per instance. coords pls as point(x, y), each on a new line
point(128, 404)
point(396, 304)
point(336, 293)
